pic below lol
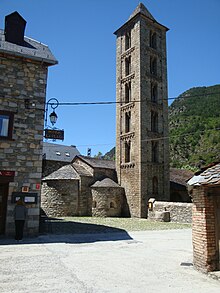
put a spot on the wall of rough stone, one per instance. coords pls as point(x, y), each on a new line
point(107, 201)
point(179, 212)
point(60, 198)
point(22, 92)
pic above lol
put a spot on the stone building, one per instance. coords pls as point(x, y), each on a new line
point(68, 191)
point(24, 65)
point(205, 191)
point(56, 155)
point(142, 147)
point(107, 198)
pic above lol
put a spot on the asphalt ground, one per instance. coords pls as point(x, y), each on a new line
point(150, 261)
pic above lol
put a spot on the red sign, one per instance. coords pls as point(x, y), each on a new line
point(6, 173)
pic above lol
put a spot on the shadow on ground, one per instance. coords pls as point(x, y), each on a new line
point(54, 230)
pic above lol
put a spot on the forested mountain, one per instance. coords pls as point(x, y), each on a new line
point(194, 125)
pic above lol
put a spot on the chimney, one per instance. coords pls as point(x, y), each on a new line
point(14, 28)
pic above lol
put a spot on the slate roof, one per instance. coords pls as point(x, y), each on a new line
point(98, 163)
point(209, 175)
point(141, 9)
point(107, 182)
point(81, 170)
point(32, 50)
point(180, 176)
point(64, 173)
point(58, 152)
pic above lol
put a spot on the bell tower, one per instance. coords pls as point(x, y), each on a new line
point(142, 146)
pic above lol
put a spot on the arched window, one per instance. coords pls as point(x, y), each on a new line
point(128, 92)
point(128, 66)
point(128, 40)
point(154, 92)
point(155, 151)
point(94, 204)
point(153, 40)
point(153, 65)
point(155, 186)
point(112, 205)
point(127, 151)
point(127, 122)
point(154, 121)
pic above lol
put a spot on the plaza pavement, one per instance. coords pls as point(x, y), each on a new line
point(133, 262)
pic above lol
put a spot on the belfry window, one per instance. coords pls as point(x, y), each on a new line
point(6, 123)
point(128, 40)
point(128, 65)
point(127, 121)
point(154, 92)
point(153, 40)
point(127, 151)
point(155, 186)
point(128, 92)
point(153, 65)
point(155, 151)
point(154, 121)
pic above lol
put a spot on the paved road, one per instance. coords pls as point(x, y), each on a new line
point(151, 261)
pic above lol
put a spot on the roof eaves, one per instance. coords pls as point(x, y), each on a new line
point(135, 16)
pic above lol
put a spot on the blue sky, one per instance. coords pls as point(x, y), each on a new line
point(80, 35)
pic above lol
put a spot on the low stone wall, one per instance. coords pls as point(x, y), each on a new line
point(179, 212)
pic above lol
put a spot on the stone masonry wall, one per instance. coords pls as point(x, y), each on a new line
point(136, 173)
point(22, 92)
point(107, 201)
point(60, 198)
point(205, 248)
point(179, 212)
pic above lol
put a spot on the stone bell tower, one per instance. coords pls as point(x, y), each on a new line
point(142, 146)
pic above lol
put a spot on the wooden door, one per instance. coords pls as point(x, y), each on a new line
point(3, 206)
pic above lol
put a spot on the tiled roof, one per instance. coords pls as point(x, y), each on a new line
point(209, 175)
point(64, 173)
point(180, 176)
point(107, 182)
point(81, 170)
point(58, 152)
point(98, 163)
point(32, 50)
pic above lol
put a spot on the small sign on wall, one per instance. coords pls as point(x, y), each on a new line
point(27, 197)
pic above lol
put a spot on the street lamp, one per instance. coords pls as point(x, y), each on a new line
point(53, 102)
point(53, 118)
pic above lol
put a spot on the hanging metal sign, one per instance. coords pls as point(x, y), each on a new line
point(54, 134)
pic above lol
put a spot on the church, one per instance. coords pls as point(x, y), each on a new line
point(89, 186)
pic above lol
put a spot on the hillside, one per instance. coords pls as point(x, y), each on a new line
point(194, 124)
